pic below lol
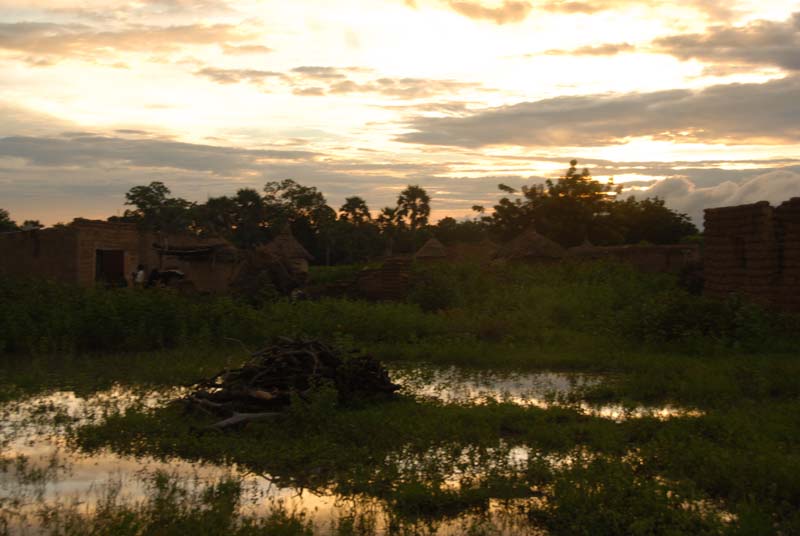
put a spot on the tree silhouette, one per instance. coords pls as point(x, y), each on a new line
point(355, 210)
point(250, 218)
point(414, 204)
point(29, 225)
point(218, 216)
point(576, 207)
point(6, 223)
point(649, 220)
point(156, 211)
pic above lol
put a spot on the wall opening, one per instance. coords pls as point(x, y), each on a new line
point(110, 267)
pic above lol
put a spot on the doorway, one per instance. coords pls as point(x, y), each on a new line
point(109, 267)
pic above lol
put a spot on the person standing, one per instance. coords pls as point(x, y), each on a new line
point(140, 277)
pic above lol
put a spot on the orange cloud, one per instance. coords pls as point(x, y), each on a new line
point(44, 43)
point(510, 11)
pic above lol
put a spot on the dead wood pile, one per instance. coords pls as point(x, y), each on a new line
point(274, 375)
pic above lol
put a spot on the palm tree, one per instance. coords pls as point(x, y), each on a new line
point(355, 210)
point(414, 203)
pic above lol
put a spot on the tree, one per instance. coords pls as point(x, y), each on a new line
point(250, 218)
point(293, 201)
point(218, 216)
point(389, 224)
point(355, 210)
point(29, 225)
point(305, 209)
point(414, 204)
point(449, 230)
point(6, 223)
point(576, 207)
point(155, 210)
point(649, 220)
point(573, 206)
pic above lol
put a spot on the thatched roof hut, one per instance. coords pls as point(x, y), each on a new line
point(431, 250)
point(286, 246)
point(531, 246)
point(189, 246)
point(587, 250)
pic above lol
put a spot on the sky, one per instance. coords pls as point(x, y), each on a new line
point(694, 101)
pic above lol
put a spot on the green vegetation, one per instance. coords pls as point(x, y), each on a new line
point(567, 309)
point(38, 317)
point(727, 465)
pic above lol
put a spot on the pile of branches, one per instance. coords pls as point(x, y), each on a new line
point(291, 368)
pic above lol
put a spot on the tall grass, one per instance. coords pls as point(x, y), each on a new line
point(42, 317)
point(566, 307)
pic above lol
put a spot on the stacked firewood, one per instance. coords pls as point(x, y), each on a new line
point(290, 368)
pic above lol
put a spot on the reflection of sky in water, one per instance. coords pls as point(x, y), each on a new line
point(535, 389)
point(28, 430)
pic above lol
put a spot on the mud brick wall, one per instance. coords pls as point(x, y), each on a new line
point(47, 253)
point(754, 251)
point(392, 281)
point(787, 217)
point(214, 273)
point(99, 235)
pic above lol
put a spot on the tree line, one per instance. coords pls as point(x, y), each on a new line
point(570, 210)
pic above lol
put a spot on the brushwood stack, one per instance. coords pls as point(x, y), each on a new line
point(273, 376)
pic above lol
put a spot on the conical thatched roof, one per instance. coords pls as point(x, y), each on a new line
point(286, 246)
point(432, 249)
point(530, 245)
point(585, 247)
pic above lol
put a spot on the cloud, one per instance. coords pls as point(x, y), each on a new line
point(309, 92)
point(732, 113)
point(40, 43)
point(236, 76)
point(508, 12)
point(57, 177)
point(320, 73)
point(761, 42)
point(319, 81)
point(714, 8)
point(101, 11)
point(83, 149)
point(405, 88)
point(683, 195)
point(607, 49)
point(240, 50)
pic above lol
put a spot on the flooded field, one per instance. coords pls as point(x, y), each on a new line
point(51, 468)
point(544, 390)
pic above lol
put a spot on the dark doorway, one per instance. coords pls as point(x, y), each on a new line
point(110, 267)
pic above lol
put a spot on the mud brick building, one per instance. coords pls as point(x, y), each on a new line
point(83, 252)
point(392, 281)
point(88, 252)
point(754, 251)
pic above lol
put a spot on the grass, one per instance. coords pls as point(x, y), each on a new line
point(405, 452)
point(566, 308)
point(730, 470)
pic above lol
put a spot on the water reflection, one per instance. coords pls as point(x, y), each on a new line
point(533, 389)
point(37, 468)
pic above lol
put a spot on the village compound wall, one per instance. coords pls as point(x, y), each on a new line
point(754, 251)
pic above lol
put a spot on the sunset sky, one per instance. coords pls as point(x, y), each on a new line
point(695, 101)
